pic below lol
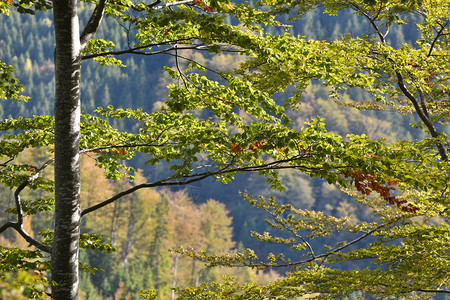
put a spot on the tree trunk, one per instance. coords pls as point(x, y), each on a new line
point(67, 134)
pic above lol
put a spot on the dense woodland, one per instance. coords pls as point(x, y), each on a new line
point(207, 215)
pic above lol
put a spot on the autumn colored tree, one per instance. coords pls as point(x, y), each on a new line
point(219, 128)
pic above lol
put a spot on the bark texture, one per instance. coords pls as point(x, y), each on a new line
point(67, 134)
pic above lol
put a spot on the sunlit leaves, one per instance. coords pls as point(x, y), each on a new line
point(233, 124)
point(9, 86)
point(99, 46)
point(94, 242)
point(23, 270)
point(24, 6)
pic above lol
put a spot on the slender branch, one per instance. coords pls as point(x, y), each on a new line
point(167, 5)
point(438, 35)
point(18, 226)
point(96, 149)
point(135, 49)
point(7, 162)
point(372, 22)
point(324, 255)
point(421, 109)
point(422, 115)
point(179, 69)
point(422, 102)
point(171, 181)
point(280, 221)
point(434, 291)
point(203, 66)
point(23, 185)
point(294, 233)
point(380, 9)
point(155, 5)
point(164, 182)
point(93, 23)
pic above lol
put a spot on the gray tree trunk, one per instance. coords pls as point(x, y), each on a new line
point(67, 135)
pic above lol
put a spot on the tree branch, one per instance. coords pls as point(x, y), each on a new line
point(93, 23)
point(421, 109)
point(372, 22)
point(7, 162)
point(291, 230)
point(18, 226)
point(155, 6)
point(163, 182)
point(438, 35)
point(434, 291)
point(159, 7)
point(324, 255)
point(422, 115)
point(135, 49)
point(171, 181)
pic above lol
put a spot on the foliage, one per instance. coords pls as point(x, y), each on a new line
point(223, 123)
point(10, 86)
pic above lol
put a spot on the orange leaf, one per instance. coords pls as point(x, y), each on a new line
point(235, 148)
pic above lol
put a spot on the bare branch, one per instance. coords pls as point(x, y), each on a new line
point(164, 182)
point(372, 22)
point(183, 77)
point(174, 181)
point(18, 226)
point(155, 5)
point(93, 23)
point(422, 115)
point(203, 66)
point(7, 162)
point(438, 35)
point(107, 147)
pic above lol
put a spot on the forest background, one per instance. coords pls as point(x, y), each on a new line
point(208, 215)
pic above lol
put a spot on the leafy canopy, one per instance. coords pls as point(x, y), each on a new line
point(221, 127)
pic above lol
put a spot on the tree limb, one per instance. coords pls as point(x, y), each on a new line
point(422, 115)
point(421, 108)
point(434, 291)
point(134, 50)
point(18, 226)
point(171, 181)
point(93, 23)
point(372, 22)
point(324, 255)
point(438, 35)
point(155, 5)
point(159, 7)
